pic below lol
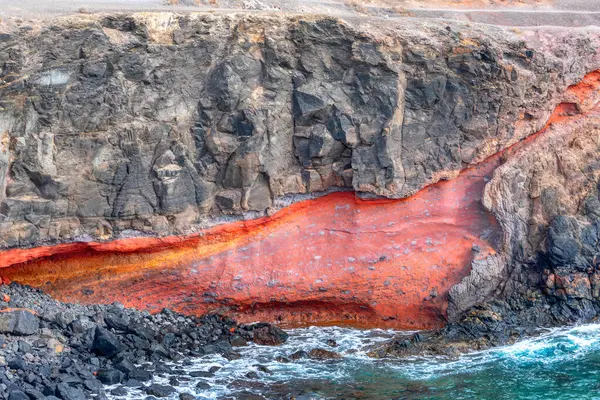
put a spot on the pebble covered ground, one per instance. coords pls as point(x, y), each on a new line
point(52, 350)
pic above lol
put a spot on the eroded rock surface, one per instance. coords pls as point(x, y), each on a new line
point(76, 352)
point(162, 125)
point(546, 199)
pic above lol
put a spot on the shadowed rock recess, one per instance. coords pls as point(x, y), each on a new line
point(189, 161)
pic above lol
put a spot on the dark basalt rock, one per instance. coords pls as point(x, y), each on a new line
point(17, 363)
point(202, 385)
point(17, 395)
point(201, 374)
point(74, 354)
point(232, 355)
point(116, 322)
point(245, 395)
point(322, 354)
point(110, 377)
point(298, 355)
point(105, 343)
point(66, 392)
point(263, 368)
point(124, 365)
point(120, 391)
point(160, 390)
point(139, 375)
point(92, 385)
point(34, 394)
point(238, 341)
point(267, 334)
point(19, 322)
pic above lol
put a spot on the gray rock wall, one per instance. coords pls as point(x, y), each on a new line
point(547, 200)
point(164, 123)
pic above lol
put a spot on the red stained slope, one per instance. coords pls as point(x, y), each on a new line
point(335, 259)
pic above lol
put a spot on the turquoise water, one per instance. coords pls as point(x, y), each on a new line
point(560, 364)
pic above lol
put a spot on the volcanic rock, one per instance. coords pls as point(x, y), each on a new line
point(298, 355)
point(268, 335)
point(133, 132)
point(110, 377)
point(322, 354)
point(105, 343)
point(202, 385)
point(17, 395)
point(18, 322)
point(160, 390)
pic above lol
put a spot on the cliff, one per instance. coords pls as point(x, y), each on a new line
point(193, 161)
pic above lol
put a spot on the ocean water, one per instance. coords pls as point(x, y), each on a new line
point(560, 364)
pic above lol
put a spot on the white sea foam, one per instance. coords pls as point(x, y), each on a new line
point(553, 346)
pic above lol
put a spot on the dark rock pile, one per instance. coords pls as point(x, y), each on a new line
point(526, 312)
point(53, 350)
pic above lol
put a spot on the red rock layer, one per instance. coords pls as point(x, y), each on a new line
point(332, 260)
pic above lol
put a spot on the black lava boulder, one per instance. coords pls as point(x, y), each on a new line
point(110, 376)
point(17, 395)
point(19, 322)
point(105, 343)
point(268, 335)
point(160, 390)
point(66, 392)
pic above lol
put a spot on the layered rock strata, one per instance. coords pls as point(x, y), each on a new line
point(145, 157)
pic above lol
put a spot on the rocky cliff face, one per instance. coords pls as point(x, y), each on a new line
point(546, 199)
point(160, 123)
point(164, 124)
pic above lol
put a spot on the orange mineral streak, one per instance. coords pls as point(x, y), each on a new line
point(331, 260)
point(9, 310)
point(586, 91)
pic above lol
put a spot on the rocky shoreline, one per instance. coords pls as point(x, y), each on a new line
point(498, 322)
point(56, 350)
point(123, 137)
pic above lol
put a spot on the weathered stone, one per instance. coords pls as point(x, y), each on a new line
point(322, 354)
point(110, 377)
point(66, 392)
point(105, 343)
point(17, 395)
point(229, 200)
point(269, 335)
point(159, 390)
point(331, 102)
point(140, 375)
point(18, 322)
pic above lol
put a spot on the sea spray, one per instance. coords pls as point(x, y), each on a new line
point(558, 364)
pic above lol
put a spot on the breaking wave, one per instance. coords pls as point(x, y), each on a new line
point(560, 364)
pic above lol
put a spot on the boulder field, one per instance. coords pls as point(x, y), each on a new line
point(52, 350)
point(303, 170)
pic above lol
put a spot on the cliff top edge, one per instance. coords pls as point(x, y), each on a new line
point(523, 13)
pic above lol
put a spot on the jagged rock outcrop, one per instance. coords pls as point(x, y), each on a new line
point(163, 125)
point(545, 196)
point(546, 199)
